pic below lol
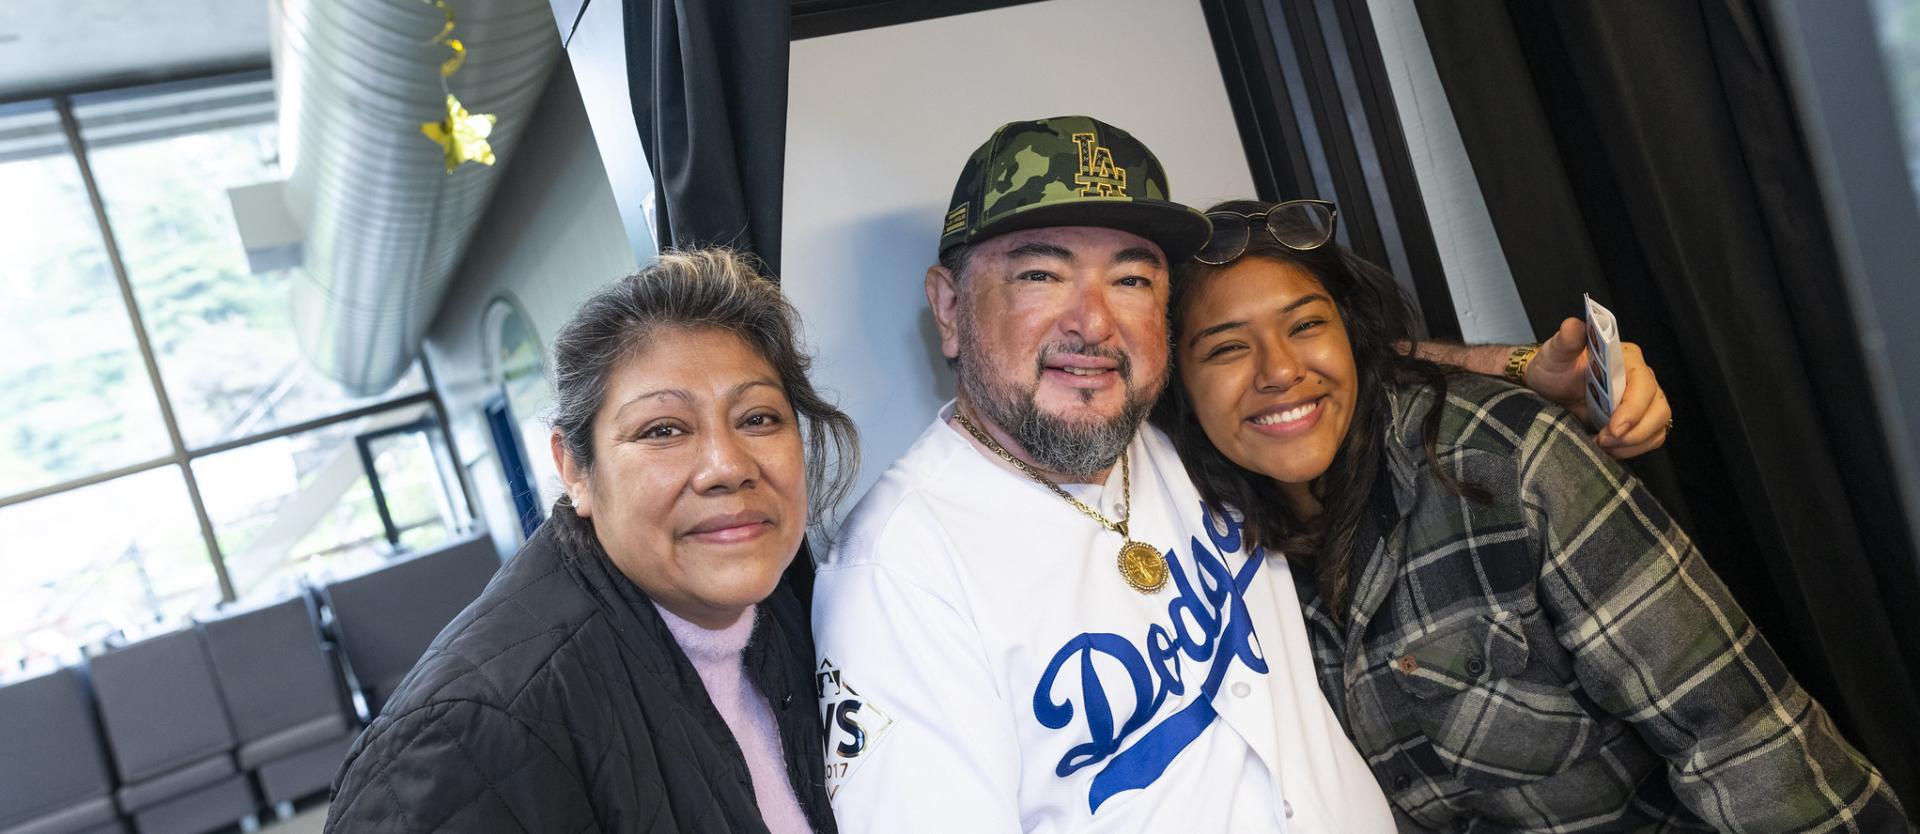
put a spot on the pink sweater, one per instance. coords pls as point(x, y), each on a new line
point(717, 656)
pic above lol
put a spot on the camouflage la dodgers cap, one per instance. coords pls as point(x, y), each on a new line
point(1069, 171)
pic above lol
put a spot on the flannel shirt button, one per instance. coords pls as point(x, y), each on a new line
point(1402, 782)
point(786, 700)
point(1407, 664)
point(1475, 666)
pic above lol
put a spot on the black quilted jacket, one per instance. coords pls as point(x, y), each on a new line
point(559, 702)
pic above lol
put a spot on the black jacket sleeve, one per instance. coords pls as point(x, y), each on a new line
point(459, 766)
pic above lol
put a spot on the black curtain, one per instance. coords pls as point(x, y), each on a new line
point(708, 79)
point(709, 85)
point(1646, 151)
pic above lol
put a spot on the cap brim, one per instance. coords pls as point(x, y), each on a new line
point(1179, 230)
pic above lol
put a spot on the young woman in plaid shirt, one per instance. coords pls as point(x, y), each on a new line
point(1513, 632)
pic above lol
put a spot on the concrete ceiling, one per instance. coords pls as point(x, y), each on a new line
point(50, 46)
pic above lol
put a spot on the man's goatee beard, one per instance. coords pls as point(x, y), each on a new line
point(1078, 449)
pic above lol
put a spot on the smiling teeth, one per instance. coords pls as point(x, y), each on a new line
point(1288, 416)
point(1084, 371)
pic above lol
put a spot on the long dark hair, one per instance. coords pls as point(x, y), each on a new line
point(1380, 329)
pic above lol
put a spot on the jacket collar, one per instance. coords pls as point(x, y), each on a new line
point(570, 539)
point(1405, 447)
point(1402, 455)
point(637, 622)
point(779, 640)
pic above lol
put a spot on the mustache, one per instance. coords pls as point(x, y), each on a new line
point(1122, 362)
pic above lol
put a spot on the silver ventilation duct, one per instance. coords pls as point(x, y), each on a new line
point(385, 224)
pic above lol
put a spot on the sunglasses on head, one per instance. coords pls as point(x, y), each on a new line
point(1302, 225)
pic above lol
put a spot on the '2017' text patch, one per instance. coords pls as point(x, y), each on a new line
point(853, 724)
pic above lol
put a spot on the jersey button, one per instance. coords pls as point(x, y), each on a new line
point(1286, 808)
point(1401, 782)
point(1242, 690)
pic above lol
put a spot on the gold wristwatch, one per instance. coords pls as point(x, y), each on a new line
point(1518, 361)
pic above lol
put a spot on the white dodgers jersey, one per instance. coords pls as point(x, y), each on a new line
point(984, 667)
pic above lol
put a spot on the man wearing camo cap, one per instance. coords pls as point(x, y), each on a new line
point(1031, 622)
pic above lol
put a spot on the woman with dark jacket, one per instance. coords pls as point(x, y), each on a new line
point(637, 666)
point(1512, 631)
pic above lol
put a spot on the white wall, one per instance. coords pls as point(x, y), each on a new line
point(879, 123)
point(1482, 286)
point(552, 235)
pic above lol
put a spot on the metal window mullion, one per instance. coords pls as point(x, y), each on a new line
point(364, 444)
point(86, 481)
point(180, 456)
point(310, 425)
point(214, 449)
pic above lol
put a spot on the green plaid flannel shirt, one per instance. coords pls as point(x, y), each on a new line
point(1561, 658)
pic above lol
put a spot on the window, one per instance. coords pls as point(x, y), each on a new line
point(410, 469)
point(223, 337)
point(122, 280)
point(83, 564)
point(303, 505)
point(520, 371)
point(74, 395)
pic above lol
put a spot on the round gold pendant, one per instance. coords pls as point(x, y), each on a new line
point(1143, 567)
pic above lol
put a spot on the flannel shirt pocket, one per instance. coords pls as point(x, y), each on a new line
point(1457, 659)
point(1494, 717)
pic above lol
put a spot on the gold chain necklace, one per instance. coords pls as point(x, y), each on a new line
point(1141, 564)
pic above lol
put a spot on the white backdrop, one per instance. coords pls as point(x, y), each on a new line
point(879, 123)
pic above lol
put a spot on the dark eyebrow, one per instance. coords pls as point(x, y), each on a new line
point(742, 387)
point(1138, 255)
point(682, 395)
point(1303, 301)
point(1297, 303)
point(1218, 328)
point(1037, 249)
point(676, 393)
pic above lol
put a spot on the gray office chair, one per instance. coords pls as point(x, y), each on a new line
point(53, 773)
point(385, 618)
point(168, 731)
point(288, 707)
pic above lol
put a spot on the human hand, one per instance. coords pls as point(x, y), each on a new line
point(1642, 419)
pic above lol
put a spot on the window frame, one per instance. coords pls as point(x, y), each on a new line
point(182, 454)
point(1309, 89)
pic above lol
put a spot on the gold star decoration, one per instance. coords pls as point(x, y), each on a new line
point(462, 135)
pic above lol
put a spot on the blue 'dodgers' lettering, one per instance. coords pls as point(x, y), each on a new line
point(1209, 623)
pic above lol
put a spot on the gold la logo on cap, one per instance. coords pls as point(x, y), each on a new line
point(1098, 177)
